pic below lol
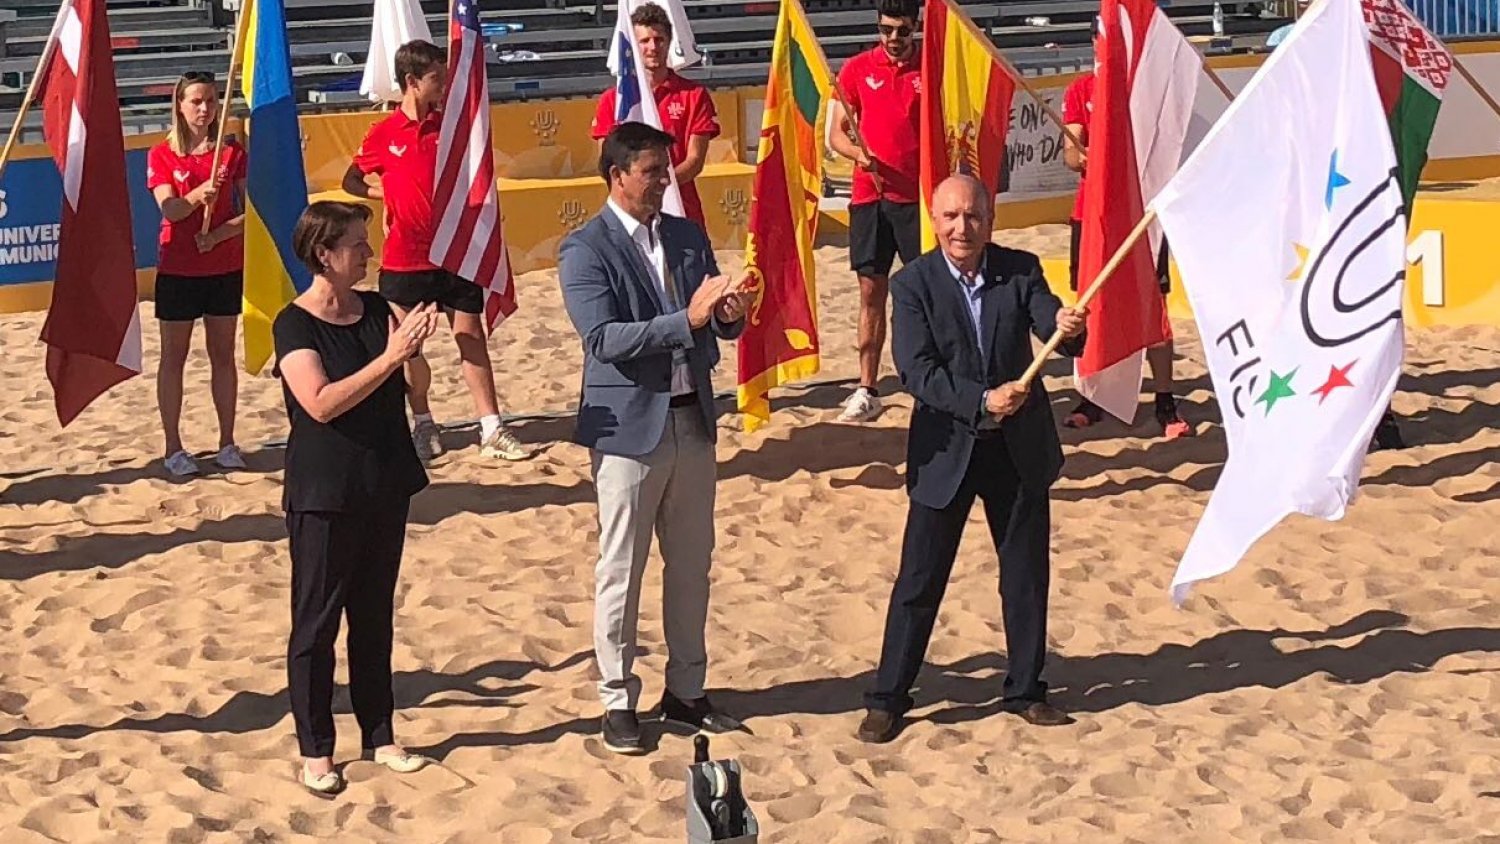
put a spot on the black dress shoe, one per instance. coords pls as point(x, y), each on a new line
point(698, 714)
point(879, 726)
point(1043, 714)
point(622, 732)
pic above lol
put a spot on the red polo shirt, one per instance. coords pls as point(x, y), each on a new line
point(686, 111)
point(1078, 107)
point(178, 253)
point(886, 96)
point(403, 153)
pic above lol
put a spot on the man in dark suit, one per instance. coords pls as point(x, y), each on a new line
point(964, 315)
point(649, 303)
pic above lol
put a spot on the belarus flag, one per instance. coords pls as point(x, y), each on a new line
point(1144, 88)
point(93, 330)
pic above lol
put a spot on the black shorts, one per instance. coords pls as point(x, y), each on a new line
point(410, 289)
point(880, 230)
point(184, 298)
point(1163, 262)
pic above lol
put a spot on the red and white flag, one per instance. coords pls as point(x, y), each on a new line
point(1144, 88)
point(468, 242)
point(93, 329)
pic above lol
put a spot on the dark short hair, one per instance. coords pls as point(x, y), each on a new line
point(897, 9)
point(653, 16)
point(416, 58)
point(323, 224)
point(625, 143)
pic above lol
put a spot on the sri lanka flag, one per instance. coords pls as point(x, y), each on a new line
point(966, 98)
point(276, 184)
point(780, 341)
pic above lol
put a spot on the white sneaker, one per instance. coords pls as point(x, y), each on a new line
point(863, 406)
point(181, 465)
point(428, 438)
point(230, 457)
point(503, 445)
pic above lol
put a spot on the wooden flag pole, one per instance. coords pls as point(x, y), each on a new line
point(1213, 77)
point(963, 19)
point(236, 58)
point(15, 129)
point(854, 133)
point(1474, 83)
point(1088, 295)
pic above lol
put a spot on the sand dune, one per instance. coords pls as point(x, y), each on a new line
point(1339, 686)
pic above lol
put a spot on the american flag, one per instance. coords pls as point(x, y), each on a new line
point(468, 242)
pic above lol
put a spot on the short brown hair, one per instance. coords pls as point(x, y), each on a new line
point(323, 224)
point(416, 58)
point(653, 16)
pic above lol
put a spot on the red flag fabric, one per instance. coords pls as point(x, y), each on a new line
point(1143, 92)
point(93, 328)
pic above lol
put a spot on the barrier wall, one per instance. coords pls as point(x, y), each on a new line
point(547, 164)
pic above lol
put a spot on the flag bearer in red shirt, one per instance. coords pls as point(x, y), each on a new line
point(1078, 108)
point(198, 276)
point(687, 111)
point(883, 87)
point(397, 163)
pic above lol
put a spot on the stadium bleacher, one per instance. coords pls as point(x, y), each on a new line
point(540, 48)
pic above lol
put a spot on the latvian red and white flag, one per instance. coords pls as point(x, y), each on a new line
point(1144, 89)
point(468, 242)
point(93, 330)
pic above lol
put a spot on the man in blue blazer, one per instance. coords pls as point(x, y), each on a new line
point(964, 315)
point(646, 297)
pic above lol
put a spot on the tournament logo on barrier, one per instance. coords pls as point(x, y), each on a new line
point(545, 124)
point(735, 205)
point(572, 214)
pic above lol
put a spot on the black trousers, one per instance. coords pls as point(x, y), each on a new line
point(1020, 523)
point(343, 564)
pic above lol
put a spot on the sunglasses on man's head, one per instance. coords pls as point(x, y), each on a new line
point(900, 31)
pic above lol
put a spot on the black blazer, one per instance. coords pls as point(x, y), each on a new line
point(938, 357)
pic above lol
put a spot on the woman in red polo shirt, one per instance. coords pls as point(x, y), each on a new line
point(198, 275)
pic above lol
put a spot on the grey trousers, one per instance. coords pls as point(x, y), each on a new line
point(670, 491)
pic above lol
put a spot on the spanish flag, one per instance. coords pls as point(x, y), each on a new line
point(276, 184)
point(966, 97)
point(780, 341)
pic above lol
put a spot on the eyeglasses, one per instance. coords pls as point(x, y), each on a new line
point(194, 77)
point(901, 31)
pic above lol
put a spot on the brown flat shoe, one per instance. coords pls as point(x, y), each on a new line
point(879, 726)
point(1044, 714)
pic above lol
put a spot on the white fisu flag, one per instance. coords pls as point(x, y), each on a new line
point(396, 22)
point(633, 101)
point(1288, 229)
point(684, 48)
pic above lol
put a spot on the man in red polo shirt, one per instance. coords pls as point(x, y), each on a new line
point(687, 111)
point(883, 87)
point(397, 163)
point(1078, 109)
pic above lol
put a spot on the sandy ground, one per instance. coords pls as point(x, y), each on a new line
point(1339, 686)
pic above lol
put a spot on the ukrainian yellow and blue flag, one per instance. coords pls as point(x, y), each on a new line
point(276, 184)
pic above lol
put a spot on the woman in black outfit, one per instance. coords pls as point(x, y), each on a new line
point(351, 471)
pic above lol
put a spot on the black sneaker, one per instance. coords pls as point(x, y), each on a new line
point(622, 732)
point(1388, 433)
point(1170, 419)
point(698, 714)
point(1085, 414)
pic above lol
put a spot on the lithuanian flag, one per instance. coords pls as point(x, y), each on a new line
point(966, 97)
point(780, 341)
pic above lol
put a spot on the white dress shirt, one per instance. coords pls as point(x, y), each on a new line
point(647, 239)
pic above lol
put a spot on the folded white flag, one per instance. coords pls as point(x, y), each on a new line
point(396, 22)
point(1288, 228)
